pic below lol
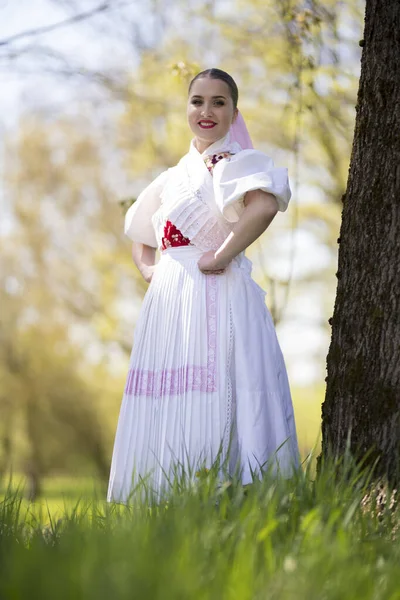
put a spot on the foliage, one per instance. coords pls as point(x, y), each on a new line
point(63, 263)
point(276, 539)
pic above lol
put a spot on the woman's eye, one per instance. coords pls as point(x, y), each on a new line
point(216, 103)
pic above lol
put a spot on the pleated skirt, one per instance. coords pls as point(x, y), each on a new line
point(206, 381)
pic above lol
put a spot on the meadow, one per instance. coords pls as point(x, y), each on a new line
point(305, 538)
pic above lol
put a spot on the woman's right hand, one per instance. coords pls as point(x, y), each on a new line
point(147, 272)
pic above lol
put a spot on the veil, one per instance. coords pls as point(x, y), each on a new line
point(238, 133)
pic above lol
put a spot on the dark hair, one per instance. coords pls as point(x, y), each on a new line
point(219, 74)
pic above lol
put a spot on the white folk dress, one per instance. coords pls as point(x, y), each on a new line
point(207, 376)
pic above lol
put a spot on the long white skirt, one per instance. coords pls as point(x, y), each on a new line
point(206, 378)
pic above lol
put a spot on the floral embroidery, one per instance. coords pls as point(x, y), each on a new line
point(173, 237)
point(212, 159)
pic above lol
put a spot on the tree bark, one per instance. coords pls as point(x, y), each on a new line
point(362, 404)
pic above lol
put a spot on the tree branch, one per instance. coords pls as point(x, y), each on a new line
point(47, 28)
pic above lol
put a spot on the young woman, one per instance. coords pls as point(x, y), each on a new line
point(207, 379)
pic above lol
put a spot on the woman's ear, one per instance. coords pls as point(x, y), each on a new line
point(235, 114)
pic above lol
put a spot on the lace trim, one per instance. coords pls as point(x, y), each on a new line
point(229, 398)
point(211, 303)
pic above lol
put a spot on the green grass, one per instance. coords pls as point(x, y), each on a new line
point(60, 494)
point(276, 539)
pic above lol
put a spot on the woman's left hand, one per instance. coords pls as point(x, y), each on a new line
point(210, 265)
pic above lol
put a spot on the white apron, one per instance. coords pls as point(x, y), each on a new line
point(207, 380)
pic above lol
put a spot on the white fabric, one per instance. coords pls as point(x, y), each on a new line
point(248, 170)
point(138, 224)
point(188, 202)
point(206, 371)
point(225, 144)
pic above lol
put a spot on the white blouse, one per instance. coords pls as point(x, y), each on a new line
point(138, 224)
point(246, 171)
point(232, 177)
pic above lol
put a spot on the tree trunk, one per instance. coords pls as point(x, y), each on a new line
point(362, 401)
point(6, 446)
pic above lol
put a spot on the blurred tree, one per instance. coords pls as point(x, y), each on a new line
point(153, 127)
point(295, 61)
point(51, 416)
point(65, 270)
point(362, 405)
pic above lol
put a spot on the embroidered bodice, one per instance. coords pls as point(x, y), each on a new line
point(172, 236)
point(198, 201)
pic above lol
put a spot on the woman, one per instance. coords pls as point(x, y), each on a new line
point(207, 379)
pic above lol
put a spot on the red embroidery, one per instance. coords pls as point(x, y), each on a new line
point(173, 237)
point(212, 159)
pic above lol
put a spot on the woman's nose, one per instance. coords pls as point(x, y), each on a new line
point(207, 110)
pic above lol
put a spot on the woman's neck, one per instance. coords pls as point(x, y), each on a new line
point(202, 145)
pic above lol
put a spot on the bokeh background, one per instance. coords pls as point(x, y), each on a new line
point(92, 108)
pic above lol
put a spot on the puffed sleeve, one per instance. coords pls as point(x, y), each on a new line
point(245, 171)
point(138, 224)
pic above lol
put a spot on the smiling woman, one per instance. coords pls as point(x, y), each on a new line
point(207, 379)
point(212, 108)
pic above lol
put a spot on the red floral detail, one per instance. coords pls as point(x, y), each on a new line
point(212, 159)
point(173, 237)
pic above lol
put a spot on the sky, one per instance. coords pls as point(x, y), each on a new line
point(25, 83)
point(26, 87)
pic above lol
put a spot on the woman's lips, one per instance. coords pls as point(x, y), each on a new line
point(207, 124)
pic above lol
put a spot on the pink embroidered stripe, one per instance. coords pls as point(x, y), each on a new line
point(168, 382)
point(211, 307)
point(171, 382)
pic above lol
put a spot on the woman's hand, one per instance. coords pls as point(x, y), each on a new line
point(259, 210)
point(147, 272)
point(210, 265)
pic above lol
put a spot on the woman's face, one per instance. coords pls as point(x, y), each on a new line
point(210, 110)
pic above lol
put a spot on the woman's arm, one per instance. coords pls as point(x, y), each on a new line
point(144, 258)
point(260, 209)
